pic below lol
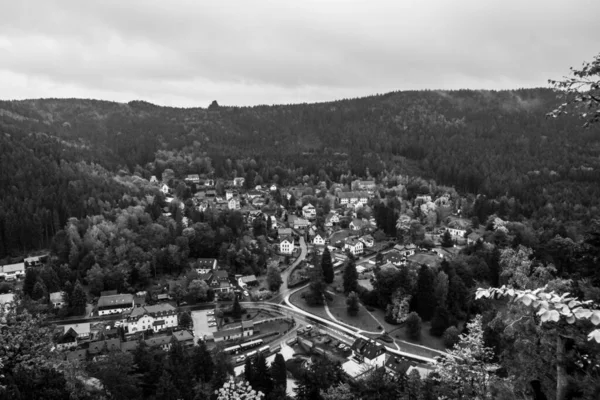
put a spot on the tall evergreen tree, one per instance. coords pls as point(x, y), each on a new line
point(39, 291)
point(262, 378)
point(279, 371)
point(447, 239)
point(424, 299)
point(352, 304)
point(327, 266)
point(166, 389)
point(350, 276)
point(77, 299)
point(249, 373)
point(316, 288)
point(202, 362)
point(236, 308)
point(29, 281)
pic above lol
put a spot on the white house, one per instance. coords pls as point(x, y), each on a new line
point(300, 223)
point(355, 246)
point(83, 329)
point(353, 197)
point(233, 204)
point(331, 219)
point(228, 194)
point(319, 239)
point(367, 240)
point(309, 211)
point(239, 181)
point(359, 224)
point(366, 355)
point(12, 271)
point(456, 233)
point(286, 245)
point(115, 304)
point(156, 318)
point(153, 179)
point(273, 188)
point(164, 188)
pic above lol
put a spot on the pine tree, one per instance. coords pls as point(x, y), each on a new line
point(202, 362)
point(440, 321)
point(185, 320)
point(447, 239)
point(166, 389)
point(279, 372)
point(249, 373)
point(262, 378)
point(316, 288)
point(39, 291)
point(352, 304)
point(236, 309)
point(350, 277)
point(327, 266)
point(78, 299)
point(424, 299)
point(29, 282)
point(274, 278)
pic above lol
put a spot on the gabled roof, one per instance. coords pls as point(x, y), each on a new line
point(81, 328)
point(158, 341)
point(397, 365)
point(57, 297)
point(69, 336)
point(115, 300)
point(286, 239)
point(220, 274)
point(183, 336)
point(156, 310)
point(10, 268)
point(368, 349)
point(359, 223)
point(353, 241)
point(474, 236)
point(97, 347)
point(392, 256)
point(205, 277)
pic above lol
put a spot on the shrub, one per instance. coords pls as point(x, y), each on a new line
point(451, 337)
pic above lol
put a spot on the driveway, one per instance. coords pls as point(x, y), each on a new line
point(284, 290)
point(201, 328)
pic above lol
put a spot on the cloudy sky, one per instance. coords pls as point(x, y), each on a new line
point(188, 53)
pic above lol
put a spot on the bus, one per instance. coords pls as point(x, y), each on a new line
point(276, 349)
point(232, 349)
point(264, 349)
point(251, 344)
point(251, 354)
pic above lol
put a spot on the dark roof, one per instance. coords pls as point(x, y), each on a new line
point(183, 336)
point(368, 349)
point(70, 336)
point(129, 346)
point(220, 274)
point(97, 347)
point(77, 354)
point(158, 341)
point(392, 256)
point(397, 365)
point(115, 300)
point(205, 277)
point(206, 262)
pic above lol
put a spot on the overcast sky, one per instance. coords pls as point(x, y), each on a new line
point(188, 53)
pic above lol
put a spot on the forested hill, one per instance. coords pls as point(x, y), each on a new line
point(491, 142)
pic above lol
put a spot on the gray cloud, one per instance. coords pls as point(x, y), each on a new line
point(188, 53)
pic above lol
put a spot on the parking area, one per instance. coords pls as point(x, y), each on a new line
point(202, 326)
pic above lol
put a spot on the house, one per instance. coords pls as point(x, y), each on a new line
point(473, 238)
point(221, 276)
point(57, 299)
point(104, 345)
point(244, 330)
point(253, 194)
point(388, 266)
point(249, 280)
point(186, 338)
point(284, 232)
point(423, 199)
point(300, 223)
point(331, 219)
point(354, 245)
point(366, 356)
point(209, 183)
point(286, 245)
point(367, 240)
point(258, 202)
point(193, 178)
point(35, 261)
point(222, 287)
point(456, 233)
point(164, 188)
point(10, 272)
point(156, 318)
point(319, 239)
point(206, 265)
point(394, 257)
point(396, 365)
point(359, 224)
point(164, 342)
point(273, 188)
point(207, 277)
point(228, 194)
point(239, 181)
point(339, 237)
point(83, 330)
point(309, 211)
point(211, 194)
point(68, 340)
point(369, 352)
point(233, 204)
point(117, 303)
point(345, 198)
point(366, 185)
point(406, 250)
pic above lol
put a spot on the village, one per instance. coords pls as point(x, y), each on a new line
point(299, 223)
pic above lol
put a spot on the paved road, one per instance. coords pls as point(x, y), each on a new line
point(284, 290)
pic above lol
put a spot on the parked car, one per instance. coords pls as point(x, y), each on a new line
point(212, 320)
point(212, 324)
point(246, 294)
point(308, 327)
point(341, 346)
point(241, 358)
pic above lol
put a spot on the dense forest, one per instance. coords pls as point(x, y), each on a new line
point(59, 156)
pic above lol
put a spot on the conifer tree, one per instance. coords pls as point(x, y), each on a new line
point(327, 266)
point(166, 389)
point(350, 277)
point(202, 362)
point(279, 371)
point(424, 299)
